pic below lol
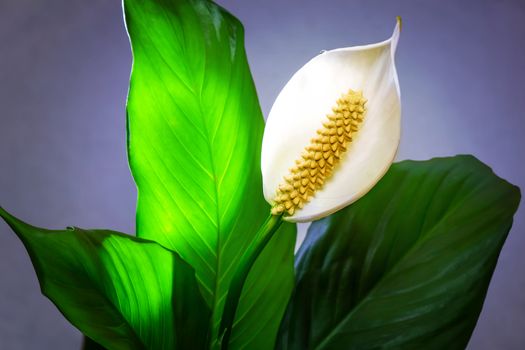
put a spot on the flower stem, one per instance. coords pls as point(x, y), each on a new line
point(263, 236)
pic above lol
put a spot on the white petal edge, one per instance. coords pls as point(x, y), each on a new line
point(302, 106)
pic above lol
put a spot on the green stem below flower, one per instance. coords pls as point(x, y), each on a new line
point(263, 236)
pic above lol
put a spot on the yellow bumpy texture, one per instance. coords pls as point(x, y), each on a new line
point(321, 157)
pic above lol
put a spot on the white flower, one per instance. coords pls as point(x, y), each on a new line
point(333, 131)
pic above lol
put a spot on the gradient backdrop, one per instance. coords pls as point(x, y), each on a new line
point(64, 67)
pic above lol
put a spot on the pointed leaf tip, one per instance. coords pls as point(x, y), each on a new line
point(13, 222)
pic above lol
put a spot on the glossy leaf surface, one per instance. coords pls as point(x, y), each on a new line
point(195, 130)
point(405, 267)
point(122, 292)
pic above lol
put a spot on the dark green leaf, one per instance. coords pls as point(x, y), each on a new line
point(195, 130)
point(120, 291)
point(89, 344)
point(405, 267)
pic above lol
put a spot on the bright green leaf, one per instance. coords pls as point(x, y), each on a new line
point(122, 292)
point(405, 267)
point(195, 129)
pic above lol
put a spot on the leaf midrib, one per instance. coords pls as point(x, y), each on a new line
point(205, 134)
point(209, 139)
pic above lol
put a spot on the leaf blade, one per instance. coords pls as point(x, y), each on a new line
point(408, 265)
point(194, 137)
point(122, 292)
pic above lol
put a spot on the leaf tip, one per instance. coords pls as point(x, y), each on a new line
point(8, 218)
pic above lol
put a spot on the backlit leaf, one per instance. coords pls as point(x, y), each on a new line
point(195, 130)
point(121, 291)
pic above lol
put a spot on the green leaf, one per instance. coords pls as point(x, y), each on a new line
point(405, 267)
point(89, 344)
point(194, 137)
point(120, 291)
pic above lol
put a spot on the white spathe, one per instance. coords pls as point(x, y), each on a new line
point(302, 107)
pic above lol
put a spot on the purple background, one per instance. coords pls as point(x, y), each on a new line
point(64, 67)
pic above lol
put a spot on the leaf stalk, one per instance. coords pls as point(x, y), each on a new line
point(263, 236)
